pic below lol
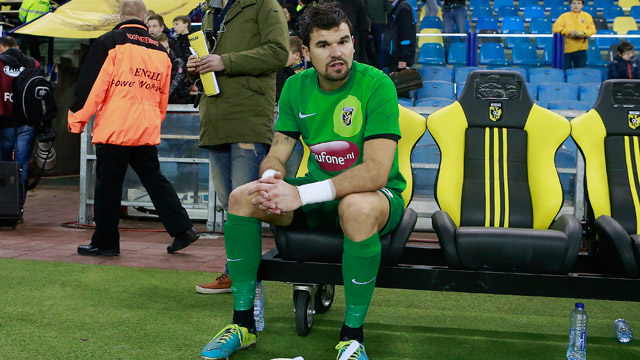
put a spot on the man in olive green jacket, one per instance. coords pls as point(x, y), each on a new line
point(251, 44)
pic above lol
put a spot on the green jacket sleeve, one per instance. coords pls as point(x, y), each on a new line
point(274, 52)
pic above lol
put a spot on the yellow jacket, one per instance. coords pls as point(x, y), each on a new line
point(581, 22)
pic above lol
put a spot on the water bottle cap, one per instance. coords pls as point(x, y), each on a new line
point(580, 305)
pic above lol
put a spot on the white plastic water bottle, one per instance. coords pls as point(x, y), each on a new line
point(258, 306)
point(623, 332)
point(578, 334)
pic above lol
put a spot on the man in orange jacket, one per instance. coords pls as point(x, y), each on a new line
point(126, 79)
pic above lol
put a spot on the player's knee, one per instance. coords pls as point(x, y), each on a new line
point(356, 208)
point(239, 202)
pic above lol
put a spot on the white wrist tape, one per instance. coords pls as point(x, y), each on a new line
point(316, 192)
point(268, 173)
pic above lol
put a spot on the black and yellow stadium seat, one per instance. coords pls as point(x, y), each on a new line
point(608, 137)
point(326, 246)
point(497, 185)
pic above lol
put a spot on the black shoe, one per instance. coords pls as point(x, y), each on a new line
point(183, 240)
point(90, 250)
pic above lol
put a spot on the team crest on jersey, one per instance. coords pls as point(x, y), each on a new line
point(634, 119)
point(495, 111)
point(13, 72)
point(347, 115)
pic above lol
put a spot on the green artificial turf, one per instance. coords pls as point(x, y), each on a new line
point(52, 310)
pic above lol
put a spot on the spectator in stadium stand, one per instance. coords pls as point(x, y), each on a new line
point(290, 13)
point(576, 26)
point(454, 12)
point(182, 29)
point(400, 36)
point(626, 64)
point(180, 83)
point(377, 11)
point(29, 11)
point(357, 13)
point(432, 8)
point(156, 27)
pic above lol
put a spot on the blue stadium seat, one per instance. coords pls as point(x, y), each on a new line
point(550, 4)
point(511, 23)
point(459, 88)
point(611, 12)
point(405, 102)
point(431, 22)
point(441, 73)
point(524, 3)
point(552, 91)
point(481, 11)
point(634, 41)
point(543, 42)
point(442, 89)
point(583, 75)
point(525, 55)
point(588, 93)
point(547, 56)
point(505, 11)
point(568, 105)
point(431, 54)
point(555, 12)
point(498, 3)
point(434, 102)
point(594, 57)
point(540, 26)
point(522, 71)
point(461, 73)
point(510, 42)
point(533, 91)
point(538, 76)
point(486, 23)
point(605, 43)
point(591, 11)
point(478, 3)
point(492, 54)
point(635, 13)
point(602, 4)
point(531, 12)
point(457, 54)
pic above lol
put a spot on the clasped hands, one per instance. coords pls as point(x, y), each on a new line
point(273, 195)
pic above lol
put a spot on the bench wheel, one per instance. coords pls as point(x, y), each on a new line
point(304, 312)
point(324, 298)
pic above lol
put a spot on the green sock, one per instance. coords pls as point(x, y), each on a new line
point(244, 250)
point(360, 263)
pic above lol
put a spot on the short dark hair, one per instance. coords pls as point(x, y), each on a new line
point(184, 19)
point(8, 41)
point(624, 46)
point(582, 1)
point(156, 17)
point(325, 16)
point(295, 44)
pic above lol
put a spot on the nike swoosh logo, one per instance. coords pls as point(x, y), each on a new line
point(233, 259)
point(302, 116)
point(362, 283)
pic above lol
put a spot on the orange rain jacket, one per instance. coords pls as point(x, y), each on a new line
point(124, 81)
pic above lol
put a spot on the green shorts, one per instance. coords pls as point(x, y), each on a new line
point(325, 215)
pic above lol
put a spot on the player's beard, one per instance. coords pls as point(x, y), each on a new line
point(337, 76)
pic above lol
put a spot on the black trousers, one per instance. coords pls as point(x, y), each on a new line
point(111, 167)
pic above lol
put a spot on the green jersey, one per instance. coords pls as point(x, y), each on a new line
point(336, 124)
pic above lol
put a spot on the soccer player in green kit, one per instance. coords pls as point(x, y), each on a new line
point(348, 115)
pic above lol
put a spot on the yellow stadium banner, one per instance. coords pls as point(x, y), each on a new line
point(88, 19)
